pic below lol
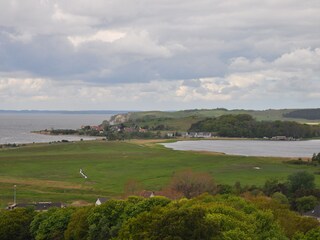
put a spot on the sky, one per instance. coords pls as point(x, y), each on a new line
point(159, 55)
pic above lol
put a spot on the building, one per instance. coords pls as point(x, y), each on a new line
point(170, 134)
point(199, 134)
point(147, 194)
point(100, 201)
point(39, 206)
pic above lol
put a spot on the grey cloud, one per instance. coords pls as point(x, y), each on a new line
point(245, 46)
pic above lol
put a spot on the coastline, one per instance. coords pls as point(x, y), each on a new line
point(61, 138)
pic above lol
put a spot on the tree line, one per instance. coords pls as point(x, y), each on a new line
point(204, 217)
point(244, 125)
point(310, 114)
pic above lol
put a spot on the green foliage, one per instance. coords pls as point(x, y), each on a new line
point(105, 220)
point(306, 203)
point(280, 197)
point(78, 225)
point(311, 114)
point(171, 222)
point(316, 157)
point(206, 217)
point(137, 205)
point(301, 180)
point(313, 234)
point(267, 228)
point(63, 131)
point(243, 125)
point(290, 222)
point(51, 224)
point(180, 223)
point(271, 186)
point(209, 217)
point(225, 189)
point(15, 224)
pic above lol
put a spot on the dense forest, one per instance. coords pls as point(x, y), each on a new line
point(310, 114)
point(244, 125)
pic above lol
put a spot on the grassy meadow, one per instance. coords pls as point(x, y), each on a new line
point(50, 172)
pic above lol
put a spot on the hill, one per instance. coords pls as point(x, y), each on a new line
point(182, 120)
point(244, 125)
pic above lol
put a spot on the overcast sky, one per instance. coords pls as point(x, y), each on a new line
point(161, 54)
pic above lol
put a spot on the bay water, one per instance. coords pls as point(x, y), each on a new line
point(251, 147)
point(17, 127)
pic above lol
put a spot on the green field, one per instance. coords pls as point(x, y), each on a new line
point(44, 172)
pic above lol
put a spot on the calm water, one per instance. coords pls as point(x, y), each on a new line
point(251, 147)
point(17, 127)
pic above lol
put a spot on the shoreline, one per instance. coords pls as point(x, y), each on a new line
point(19, 144)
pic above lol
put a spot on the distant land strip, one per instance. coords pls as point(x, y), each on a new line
point(68, 112)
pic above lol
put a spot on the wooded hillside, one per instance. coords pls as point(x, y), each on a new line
point(244, 125)
point(311, 114)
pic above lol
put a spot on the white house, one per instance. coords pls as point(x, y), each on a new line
point(100, 201)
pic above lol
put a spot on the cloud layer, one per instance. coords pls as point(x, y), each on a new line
point(159, 55)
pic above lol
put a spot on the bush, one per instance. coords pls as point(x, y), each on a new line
point(306, 203)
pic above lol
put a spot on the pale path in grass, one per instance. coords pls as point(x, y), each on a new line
point(17, 127)
point(251, 147)
point(42, 183)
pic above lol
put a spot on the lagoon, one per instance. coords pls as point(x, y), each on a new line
point(295, 149)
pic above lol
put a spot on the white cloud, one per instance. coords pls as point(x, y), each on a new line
point(141, 43)
point(20, 37)
point(300, 59)
point(25, 86)
point(102, 35)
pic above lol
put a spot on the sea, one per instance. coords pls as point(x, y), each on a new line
point(295, 149)
point(17, 127)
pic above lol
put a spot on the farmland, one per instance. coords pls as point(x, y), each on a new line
point(50, 172)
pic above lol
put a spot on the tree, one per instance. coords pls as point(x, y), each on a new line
point(192, 184)
point(281, 198)
point(290, 221)
point(301, 181)
point(205, 217)
point(225, 189)
point(137, 205)
point(78, 226)
point(51, 224)
point(15, 224)
point(243, 125)
point(306, 203)
point(316, 157)
point(132, 187)
point(271, 186)
point(171, 222)
point(313, 234)
point(105, 220)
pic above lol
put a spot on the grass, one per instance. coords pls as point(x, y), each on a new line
point(44, 172)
